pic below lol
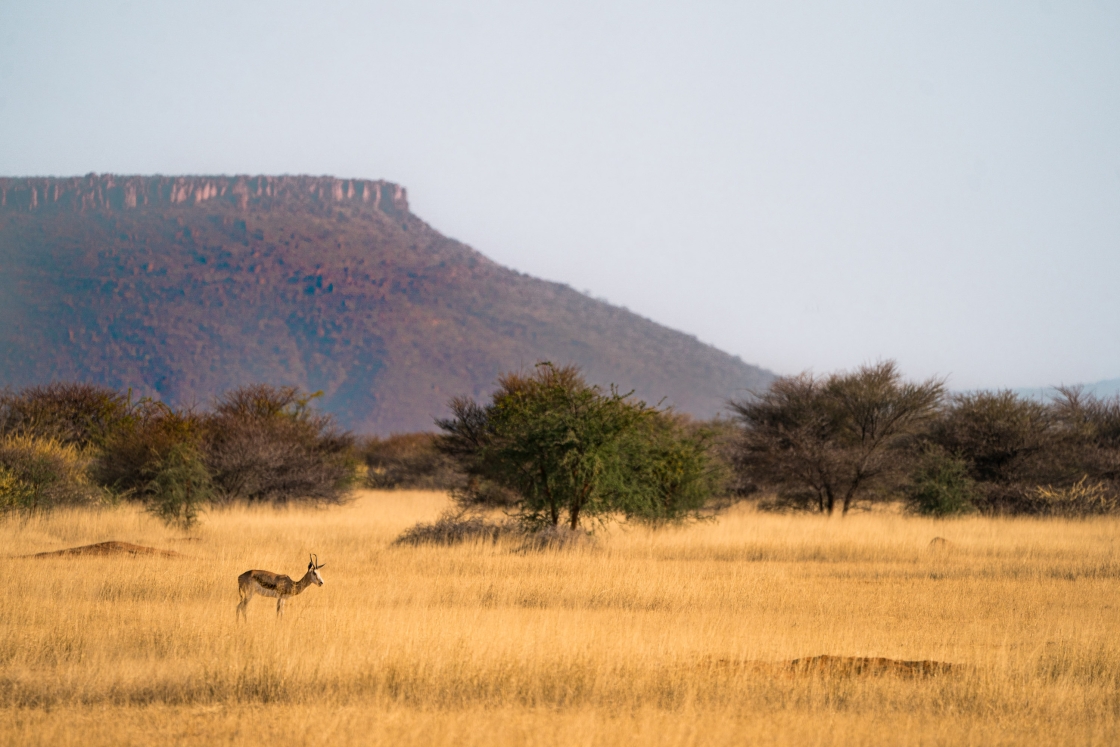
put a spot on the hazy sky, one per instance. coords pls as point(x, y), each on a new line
point(804, 185)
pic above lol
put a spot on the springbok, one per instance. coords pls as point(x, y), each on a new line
point(269, 584)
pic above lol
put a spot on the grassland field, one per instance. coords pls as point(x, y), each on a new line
point(644, 637)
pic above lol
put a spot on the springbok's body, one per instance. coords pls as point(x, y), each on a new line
point(269, 584)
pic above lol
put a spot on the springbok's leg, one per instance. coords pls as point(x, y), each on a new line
point(243, 604)
point(280, 607)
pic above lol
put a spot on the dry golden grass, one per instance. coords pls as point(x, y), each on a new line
point(635, 640)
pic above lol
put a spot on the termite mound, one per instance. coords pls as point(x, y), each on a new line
point(107, 548)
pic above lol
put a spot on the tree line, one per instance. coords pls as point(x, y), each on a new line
point(827, 443)
point(72, 443)
point(551, 450)
point(823, 444)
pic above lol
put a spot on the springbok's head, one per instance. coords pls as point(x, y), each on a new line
point(313, 568)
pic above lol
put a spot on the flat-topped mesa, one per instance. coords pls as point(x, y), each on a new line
point(110, 192)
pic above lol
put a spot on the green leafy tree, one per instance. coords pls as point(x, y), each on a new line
point(566, 450)
point(672, 460)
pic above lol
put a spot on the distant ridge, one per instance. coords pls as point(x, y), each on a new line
point(1103, 389)
point(183, 287)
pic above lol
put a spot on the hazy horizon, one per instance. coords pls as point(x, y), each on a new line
point(806, 187)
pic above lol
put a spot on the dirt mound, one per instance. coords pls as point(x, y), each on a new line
point(838, 666)
point(863, 665)
point(107, 548)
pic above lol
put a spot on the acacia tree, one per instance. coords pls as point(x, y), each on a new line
point(566, 450)
point(831, 441)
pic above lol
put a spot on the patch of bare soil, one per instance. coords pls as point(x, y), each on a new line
point(841, 666)
point(107, 548)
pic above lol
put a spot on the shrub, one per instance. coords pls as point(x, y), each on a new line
point(453, 529)
point(134, 453)
point(941, 485)
point(1083, 498)
point(266, 443)
point(71, 413)
point(179, 486)
point(409, 460)
point(38, 474)
point(723, 439)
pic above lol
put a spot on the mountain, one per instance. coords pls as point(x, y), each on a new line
point(184, 287)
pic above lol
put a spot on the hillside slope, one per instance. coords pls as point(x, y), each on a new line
point(183, 287)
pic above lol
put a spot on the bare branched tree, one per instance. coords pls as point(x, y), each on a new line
point(829, 442)
point(266, 443)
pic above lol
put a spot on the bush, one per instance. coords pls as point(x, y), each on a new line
point(1027, 457)
point(79, 414)
point(941, 485)
point(39, 474)
point(409, 460)
point(1005, 440)
point(179, 487)
point(723, 440)
point(135, 451)
point(1083, 498)
point(266, 443)
point(453, 529)
point(1091, 426)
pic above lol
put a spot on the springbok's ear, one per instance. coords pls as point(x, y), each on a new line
point(310, 566)
point(324, 565)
